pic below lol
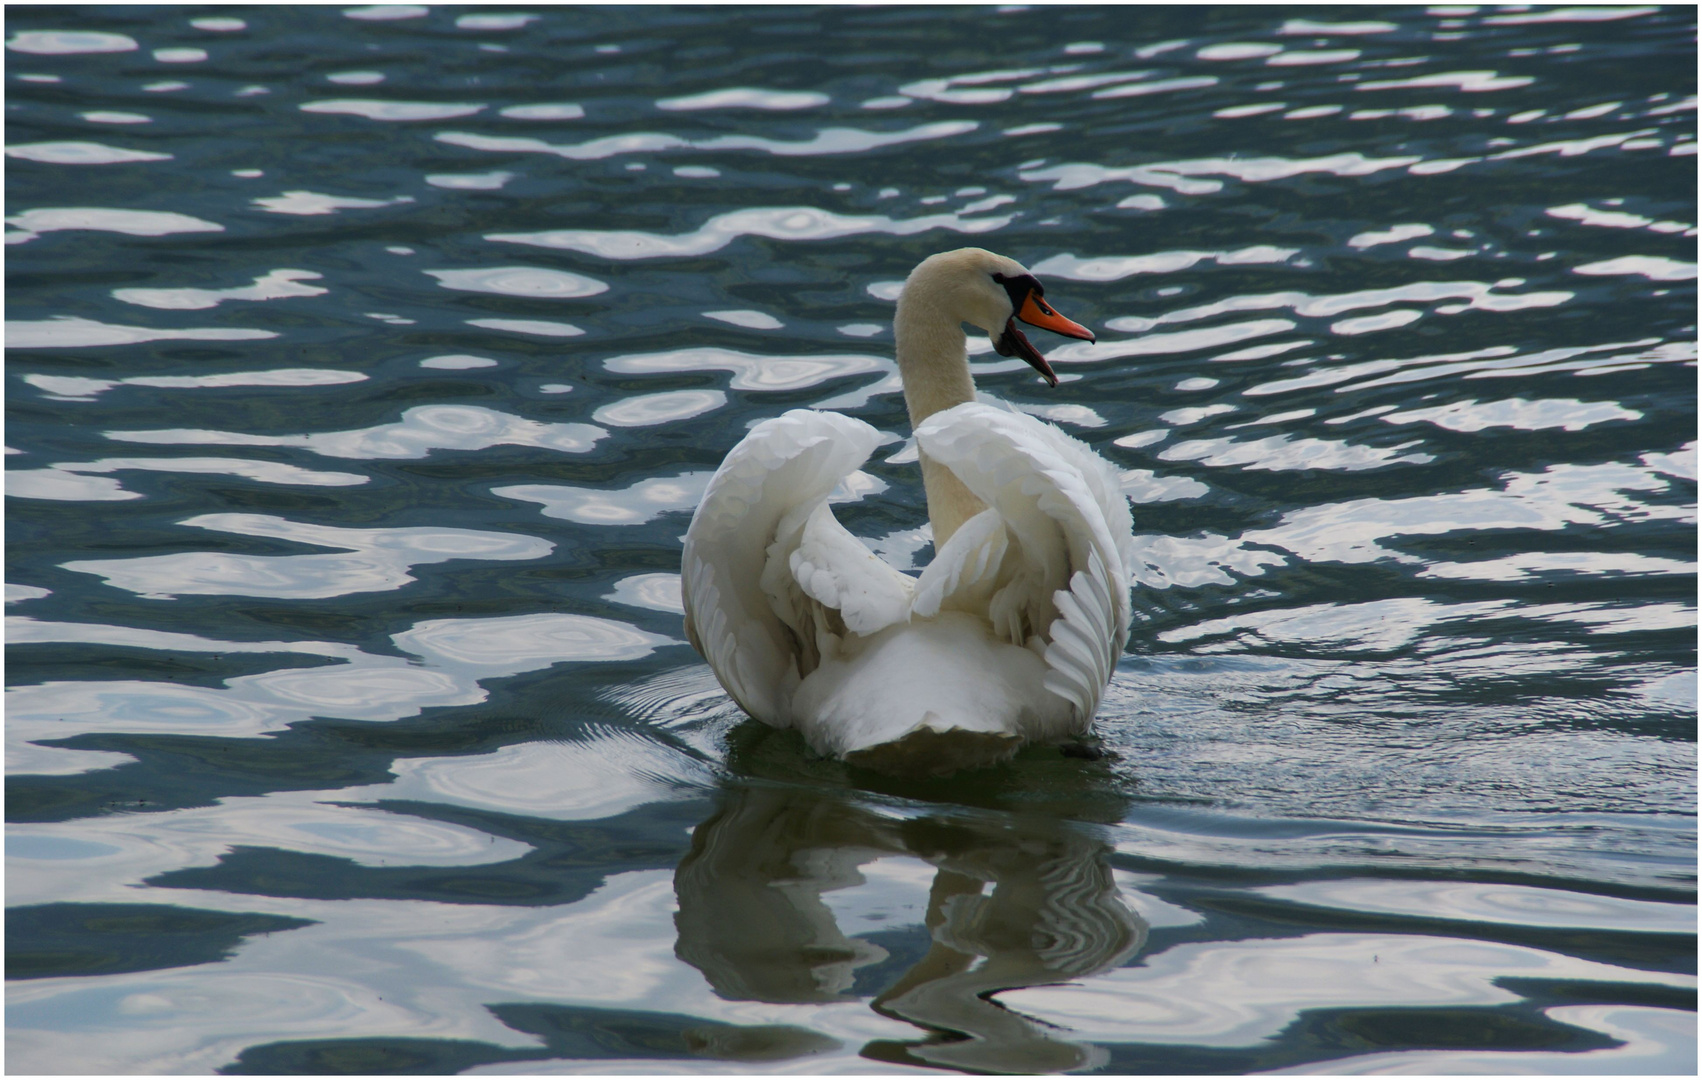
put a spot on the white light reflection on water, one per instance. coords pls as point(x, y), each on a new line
point(80, 153)
point(658, 592)
point(1568, 414)
point(752, 371)
point(1280, 453)
point(1471, 82)
point(744, 97)
point(273, 285)
point(69, 42)
point(377, 560)
point(536, 327)
point(32, 223)
point(1354, 532)
point(1614, 219)
point(44, 484)
point(62, 486)
point(457, 362)
point(833, 140)
point(545, 111)
point(646, 410)
point(750, 320)
point(131, 849)
point(1166, 262)
point(578, 781)
point(1144, 486)
point(491, 181)
point(1496, 361)
point(338, 979)
point(386, 12)
point(455, 656)
point(1379, 625)
point(392, 110)
point(1515, 905)
point(110, 116)
point(498, 647)
point(494, 22)
point(1179, 176)
point(1561, 495)
point(1479, 296)
point(1587, 563)
point(356, 974)
point(75, 332)
point(635, 505)
point(1151, 344)
point(530, 281)
point(1158, 86)
point(1180, 418)
point(1237, 993)
point(779, 223)
point(314, 203)
point(1651, 267)
point(421, 430)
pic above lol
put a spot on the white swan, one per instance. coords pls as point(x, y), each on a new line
point(1008, 636)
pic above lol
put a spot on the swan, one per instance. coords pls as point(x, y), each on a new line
point(1008, 636)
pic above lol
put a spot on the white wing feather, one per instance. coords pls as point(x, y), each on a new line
point(838, 571)
point(971, 558)
point(765, 560)
point(1064, 587)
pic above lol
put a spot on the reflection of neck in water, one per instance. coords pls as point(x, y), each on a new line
point(752, 919)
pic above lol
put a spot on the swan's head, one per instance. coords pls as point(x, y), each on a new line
point(988, 290)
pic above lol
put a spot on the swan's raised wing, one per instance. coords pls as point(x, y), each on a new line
point(1060, 585)
point(768, 570)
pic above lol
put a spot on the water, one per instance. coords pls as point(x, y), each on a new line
point(363, 372)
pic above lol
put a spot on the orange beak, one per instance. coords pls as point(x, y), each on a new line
point(1036, 312)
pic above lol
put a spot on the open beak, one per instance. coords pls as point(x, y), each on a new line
point(1036, 312)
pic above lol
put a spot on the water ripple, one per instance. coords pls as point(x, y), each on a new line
point(83, 388)
point(392, 110)
point(646, 410)
point(376, 560)
point(744, 97)
point(528, 281)
point(32, 223)
point(80, 153)
point(833, 140)
point(69, 481)
point(75, 332)
point(421, 430)
point(635, 505)
point(273, 285)
point(1259, 988)
point(752, 371)
point(775, 223)
point(69, 42)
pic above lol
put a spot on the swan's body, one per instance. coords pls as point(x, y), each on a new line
point(1010, 634)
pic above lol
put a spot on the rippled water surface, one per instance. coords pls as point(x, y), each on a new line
point(365, 365)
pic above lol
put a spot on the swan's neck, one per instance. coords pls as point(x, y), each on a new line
point(934, 364)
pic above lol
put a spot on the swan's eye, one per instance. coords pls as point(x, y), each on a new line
point(1019, 288)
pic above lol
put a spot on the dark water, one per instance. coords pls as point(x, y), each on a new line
point(362, 373)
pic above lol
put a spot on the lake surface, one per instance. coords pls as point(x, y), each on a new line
point(365, 365)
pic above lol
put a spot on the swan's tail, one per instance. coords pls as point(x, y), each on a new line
point(931, 696)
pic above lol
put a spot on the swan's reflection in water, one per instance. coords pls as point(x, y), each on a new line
point(1017, 900)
